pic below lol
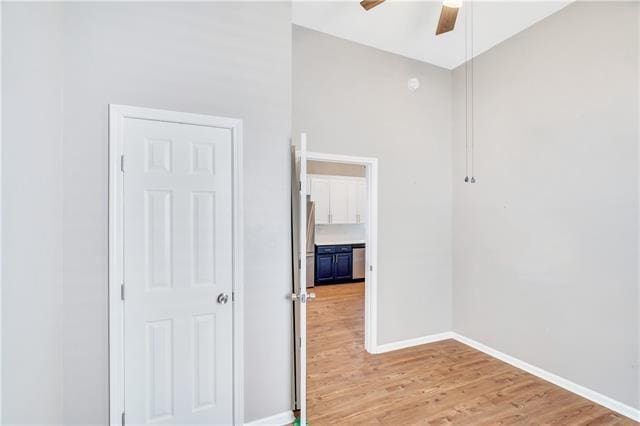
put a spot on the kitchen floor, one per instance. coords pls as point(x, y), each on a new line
point(439, 383)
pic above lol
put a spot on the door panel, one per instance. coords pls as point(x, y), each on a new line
point(343, 266)
point(177, 259)
point(324, 267)
point(352, 200)
point(320, 190)
point(361, 203)
point(339, 201)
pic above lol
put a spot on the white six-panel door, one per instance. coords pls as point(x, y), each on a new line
point(178, 260)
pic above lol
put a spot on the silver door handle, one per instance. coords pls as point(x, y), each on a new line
point(223, 298)
point(303, 297)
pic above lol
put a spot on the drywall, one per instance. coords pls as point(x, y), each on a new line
point(220, 58)
point(31, 214)
point(352, 99)
point(546, 243)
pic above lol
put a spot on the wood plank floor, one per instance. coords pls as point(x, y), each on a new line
point(439, 383)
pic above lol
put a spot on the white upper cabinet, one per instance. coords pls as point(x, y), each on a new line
point(361, 201)
point(352, 201)
point(339, 199)
point(320, 189)
point(340, 202)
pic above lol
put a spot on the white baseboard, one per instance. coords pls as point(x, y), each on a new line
point(598, 398)
point(388, 347)
point(589, 394)
point(280, 419)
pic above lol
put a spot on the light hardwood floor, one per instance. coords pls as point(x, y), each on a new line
point(439, 383)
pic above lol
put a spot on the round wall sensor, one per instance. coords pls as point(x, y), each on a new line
point(413, 84)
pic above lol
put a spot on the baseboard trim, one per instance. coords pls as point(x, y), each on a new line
point(388, 347)
point(584, 392)
point(280, 419)
point(591, 395)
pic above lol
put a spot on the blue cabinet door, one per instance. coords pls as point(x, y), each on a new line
point(343, 266)
point(324, 267)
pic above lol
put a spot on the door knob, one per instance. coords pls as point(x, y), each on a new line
point(223, 298)
point(303, 297)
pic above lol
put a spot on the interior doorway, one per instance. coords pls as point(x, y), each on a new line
point(344, 190)
point(336, 204)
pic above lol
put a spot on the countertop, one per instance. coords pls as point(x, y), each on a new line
point(338, 243)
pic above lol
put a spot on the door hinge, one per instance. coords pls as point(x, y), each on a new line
point(122, 163)
point(123, 418)
point(233, 296)
point(299, 263)
point(299, 185)
point(122, 291)
point(300, 340)
point(371, 268)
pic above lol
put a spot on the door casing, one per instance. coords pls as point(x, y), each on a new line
point(117, 115)
point(371, 268)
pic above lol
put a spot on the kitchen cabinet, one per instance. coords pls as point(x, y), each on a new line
point(333, 264)
point(339, 202)
point(320, 191)
point(343, 266)
point(338, 199)
point(361, 201)
point(325, 267)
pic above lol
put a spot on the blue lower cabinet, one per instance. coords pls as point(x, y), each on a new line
point(343, 267)
point(333, 264)
point(324, 267)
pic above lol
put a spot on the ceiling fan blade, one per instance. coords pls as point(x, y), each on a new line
point(447, 20)
point(370, 4)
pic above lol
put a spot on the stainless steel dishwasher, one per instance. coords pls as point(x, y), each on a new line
point(359, 262)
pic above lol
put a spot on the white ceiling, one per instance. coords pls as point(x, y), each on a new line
point(408, 27)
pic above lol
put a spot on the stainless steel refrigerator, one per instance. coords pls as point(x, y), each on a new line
point(311, 242)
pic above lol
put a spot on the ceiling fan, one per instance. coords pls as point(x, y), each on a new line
point(448, 14)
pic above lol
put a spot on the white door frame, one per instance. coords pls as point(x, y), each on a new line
point(371, 269)
point(117, 115)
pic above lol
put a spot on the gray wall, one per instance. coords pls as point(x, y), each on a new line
point(353, 100)
point(31, 213)
point(222, 59)
point(546, 243)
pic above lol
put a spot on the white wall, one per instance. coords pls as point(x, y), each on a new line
point(546, 237)
point(546, 243)
point(32, 213)
point(225, 59)
point(353, 100)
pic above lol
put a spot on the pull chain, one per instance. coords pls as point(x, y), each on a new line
point(466, 98)
point(473, 109)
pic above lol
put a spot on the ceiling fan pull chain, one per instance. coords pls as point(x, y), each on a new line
point(473, 109)
point(466, 100)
